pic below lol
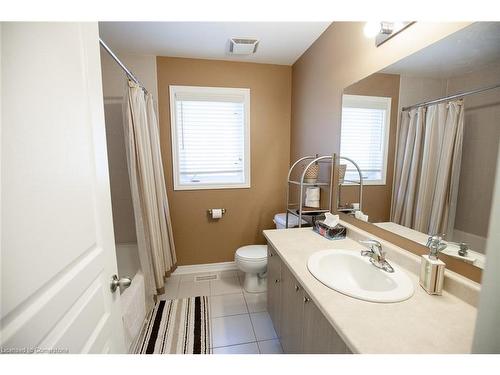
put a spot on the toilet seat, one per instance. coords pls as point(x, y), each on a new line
point(252, 253)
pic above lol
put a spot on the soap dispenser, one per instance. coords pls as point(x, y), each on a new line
point(432, 268)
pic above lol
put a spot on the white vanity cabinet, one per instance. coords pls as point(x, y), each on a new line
point(300, 325)
point(274, 288)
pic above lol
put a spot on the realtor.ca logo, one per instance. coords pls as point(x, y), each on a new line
point(33, 350)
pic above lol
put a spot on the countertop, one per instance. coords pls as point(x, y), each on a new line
point(421, 324)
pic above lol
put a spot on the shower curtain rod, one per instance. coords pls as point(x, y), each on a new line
point(450, 97)
point(122, 65)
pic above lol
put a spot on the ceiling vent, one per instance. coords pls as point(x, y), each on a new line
point(243, 46)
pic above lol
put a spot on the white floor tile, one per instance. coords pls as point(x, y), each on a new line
point(171, 288)
point(230, 285)
point(228, 304)
point(193, 288)
point(232, 330)
point(250, 348)
point(263, 326)
point(270, 347)
point(256, 302)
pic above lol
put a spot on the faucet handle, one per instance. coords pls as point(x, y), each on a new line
point(435, 239)
point(374, 246)
point(436, 245)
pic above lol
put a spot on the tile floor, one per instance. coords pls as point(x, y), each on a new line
point(240, 322)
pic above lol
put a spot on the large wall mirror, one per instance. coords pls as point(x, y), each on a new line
point(424, 134)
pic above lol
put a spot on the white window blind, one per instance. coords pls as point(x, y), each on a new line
point(210, 131)
point(364, 136)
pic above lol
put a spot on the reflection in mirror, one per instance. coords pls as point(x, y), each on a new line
point(425, 134)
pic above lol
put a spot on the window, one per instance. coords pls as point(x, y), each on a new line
point(210, 137)
point(365, 136)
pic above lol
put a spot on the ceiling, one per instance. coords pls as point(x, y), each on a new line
point(280, 42)
point(465, 51)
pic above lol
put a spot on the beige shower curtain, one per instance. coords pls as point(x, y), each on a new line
point(149, 196)
point(429, 153)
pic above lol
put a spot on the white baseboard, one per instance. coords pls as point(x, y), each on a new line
point(209, 267)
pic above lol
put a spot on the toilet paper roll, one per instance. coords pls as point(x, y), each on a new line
point(216, 213)
point(312, 203)
point(312, 193)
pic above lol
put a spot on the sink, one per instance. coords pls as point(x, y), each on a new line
point(347, 272)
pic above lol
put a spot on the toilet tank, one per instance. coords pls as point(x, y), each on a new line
point(280, 221)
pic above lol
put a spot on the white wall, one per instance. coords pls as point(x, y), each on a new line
point(487, 334)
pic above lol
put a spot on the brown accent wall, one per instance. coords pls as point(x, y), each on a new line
point(198, 239)
point(377, 198)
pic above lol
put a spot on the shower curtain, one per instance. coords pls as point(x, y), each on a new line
point(149, 196)
point(429, 153)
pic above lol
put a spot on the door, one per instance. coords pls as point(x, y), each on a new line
point(57, 241)
point(292, 313)
point(319, 336)
point(274, 288)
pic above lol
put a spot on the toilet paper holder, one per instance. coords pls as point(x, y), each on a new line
point(210, 211)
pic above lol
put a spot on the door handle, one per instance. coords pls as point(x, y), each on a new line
point(122, 283)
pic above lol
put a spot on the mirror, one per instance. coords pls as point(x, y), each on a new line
point(424, 133)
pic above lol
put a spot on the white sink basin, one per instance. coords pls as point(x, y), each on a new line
point(349, 273)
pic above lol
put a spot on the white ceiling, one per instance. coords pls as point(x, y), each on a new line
point(280, 42)
point(467, 50)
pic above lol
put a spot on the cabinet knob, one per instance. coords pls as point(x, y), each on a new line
point(271, 254)
point(297, 288)
point(306, 299)
point(276, 281)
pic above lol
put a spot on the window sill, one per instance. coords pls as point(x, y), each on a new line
point(211, 186)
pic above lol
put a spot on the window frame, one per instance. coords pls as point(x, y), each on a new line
point(387, 101)
point(216, 91)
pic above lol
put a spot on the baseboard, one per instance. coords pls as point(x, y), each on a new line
point(209, 267)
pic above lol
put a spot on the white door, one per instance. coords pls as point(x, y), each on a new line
point(57, 243)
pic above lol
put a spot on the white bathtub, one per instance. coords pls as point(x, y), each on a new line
point(133, 300)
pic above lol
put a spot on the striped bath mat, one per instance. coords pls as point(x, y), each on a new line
point(179, 326)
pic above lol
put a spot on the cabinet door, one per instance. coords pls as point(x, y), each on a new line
point(274, 287)
point(319, 337)
point(292, 313)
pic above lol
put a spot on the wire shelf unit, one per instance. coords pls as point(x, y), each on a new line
point(359, 182)
point(298, 209)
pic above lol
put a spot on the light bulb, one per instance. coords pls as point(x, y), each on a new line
point(371, 29)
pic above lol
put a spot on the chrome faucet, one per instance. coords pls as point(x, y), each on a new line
point(463, 247)
point(436, 244)
point(377, 255)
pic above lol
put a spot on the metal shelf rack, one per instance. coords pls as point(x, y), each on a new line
point(298, 209)
point(349, 210)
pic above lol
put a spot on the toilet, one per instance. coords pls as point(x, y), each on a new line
point(252, 259)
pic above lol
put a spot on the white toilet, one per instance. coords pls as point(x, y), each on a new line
point(252, 259)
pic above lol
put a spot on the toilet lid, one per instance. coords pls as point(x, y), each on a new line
point(252, 252)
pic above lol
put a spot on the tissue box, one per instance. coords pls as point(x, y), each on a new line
point(332, 233)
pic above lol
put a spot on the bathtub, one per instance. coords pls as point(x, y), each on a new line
point(133, 299)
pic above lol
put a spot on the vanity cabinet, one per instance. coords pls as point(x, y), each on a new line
point(300, 325)
point(318, 335)
point(292, 313)
point(274, 288)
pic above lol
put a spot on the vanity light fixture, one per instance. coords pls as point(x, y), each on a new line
point(384, 30)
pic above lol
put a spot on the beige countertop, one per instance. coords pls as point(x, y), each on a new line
point(421, 324)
